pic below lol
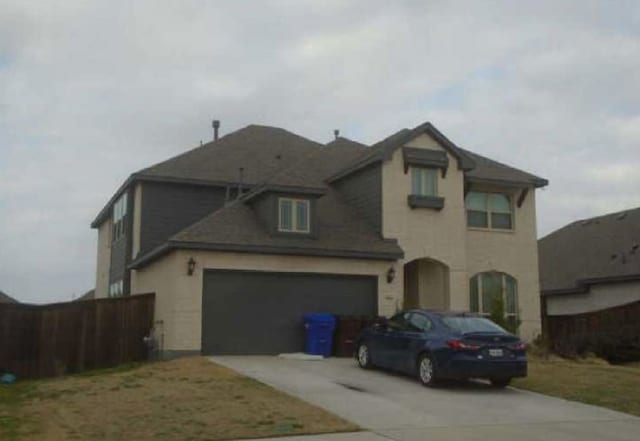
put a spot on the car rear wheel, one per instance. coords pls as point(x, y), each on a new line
point(500, 382)
point(426, 371)
point(364, 357)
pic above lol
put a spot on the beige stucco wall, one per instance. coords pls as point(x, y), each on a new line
point(444, 236)
point(103, 260)
point(599, 297)
point(515, 253)
point(137, 220)
point(161, 278)
point(426, 233)
point(179, 296)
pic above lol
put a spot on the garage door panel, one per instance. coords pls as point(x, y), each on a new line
point(261, 312)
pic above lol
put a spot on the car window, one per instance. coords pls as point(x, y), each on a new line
point(419, 322)
point(466, 325)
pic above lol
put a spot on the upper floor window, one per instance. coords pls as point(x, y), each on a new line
point(424, 181)
point(486, 289)
point(489, 210)
point(293, 215)
point(119, 214)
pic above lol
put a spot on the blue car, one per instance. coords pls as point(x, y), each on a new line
point(443, 345)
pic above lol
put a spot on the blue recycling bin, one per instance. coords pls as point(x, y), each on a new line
point(319, 329)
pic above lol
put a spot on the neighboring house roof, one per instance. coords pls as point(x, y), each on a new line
point(601, 249)
point(5, 298)
point(89, 295)
point(339, 232)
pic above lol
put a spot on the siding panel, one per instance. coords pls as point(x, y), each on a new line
point(169, 208)
point(363, 190)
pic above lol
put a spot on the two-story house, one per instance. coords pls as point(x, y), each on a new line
point(240, 237)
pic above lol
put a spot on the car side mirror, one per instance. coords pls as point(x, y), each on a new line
point(381, 323)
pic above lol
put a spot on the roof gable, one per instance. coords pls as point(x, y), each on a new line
point(384, 150)
point(476, 167)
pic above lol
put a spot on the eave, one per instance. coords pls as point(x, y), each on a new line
point(166, 248)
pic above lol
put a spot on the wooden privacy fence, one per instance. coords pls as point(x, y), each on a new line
point(613, 334)
point(48, 340)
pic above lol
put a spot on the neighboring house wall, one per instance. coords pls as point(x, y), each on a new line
point(599, 297)
point(363, 190)
point(512, 252)
point(179, 296)
point(428, 233)
point(103, 260)
point(168, 208)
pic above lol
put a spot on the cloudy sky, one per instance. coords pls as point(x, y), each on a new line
point(92, 91)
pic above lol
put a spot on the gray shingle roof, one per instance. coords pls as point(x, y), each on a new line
point(261, 150)
point(339, 231)
point(476, 167)
point(5, 298)
point(603, 247)
point(486, 169)
point(89, 295)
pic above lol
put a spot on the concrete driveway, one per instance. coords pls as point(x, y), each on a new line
point(394, 407)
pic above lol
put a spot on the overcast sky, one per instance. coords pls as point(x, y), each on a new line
point(93, 91)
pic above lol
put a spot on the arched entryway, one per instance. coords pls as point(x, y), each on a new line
point(426, 284)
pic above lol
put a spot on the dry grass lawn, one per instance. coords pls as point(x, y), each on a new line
point(591, 381)
point(186, 399)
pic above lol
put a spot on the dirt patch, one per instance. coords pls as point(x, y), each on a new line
point(186, 399)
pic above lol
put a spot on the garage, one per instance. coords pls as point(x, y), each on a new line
point(253, 313)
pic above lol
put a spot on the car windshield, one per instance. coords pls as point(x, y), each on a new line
point(468, 325)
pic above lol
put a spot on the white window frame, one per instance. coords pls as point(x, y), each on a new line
point(116, 289)
point(489, 211)
point(426, 171)
point(294, 215)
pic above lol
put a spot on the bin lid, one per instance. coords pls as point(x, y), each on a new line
point(319, 317)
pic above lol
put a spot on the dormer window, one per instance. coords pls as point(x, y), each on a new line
point(293, 215)
point(424, 181)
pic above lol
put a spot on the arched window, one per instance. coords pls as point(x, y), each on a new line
point(486, 287)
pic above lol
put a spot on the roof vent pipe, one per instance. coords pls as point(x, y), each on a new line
point(336, 133)
point(216, 125)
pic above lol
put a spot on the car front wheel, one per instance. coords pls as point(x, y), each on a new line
point(364, 357)
point(426, 371)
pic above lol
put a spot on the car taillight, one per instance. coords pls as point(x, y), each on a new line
point(457, 344)
point(518, 346)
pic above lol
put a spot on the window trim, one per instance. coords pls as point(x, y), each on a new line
point(489, 212)
point(294, 215)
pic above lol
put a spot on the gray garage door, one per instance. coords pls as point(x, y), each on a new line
point(247, 312)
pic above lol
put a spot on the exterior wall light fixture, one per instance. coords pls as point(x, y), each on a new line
point(391, 274)
point(191, 266)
